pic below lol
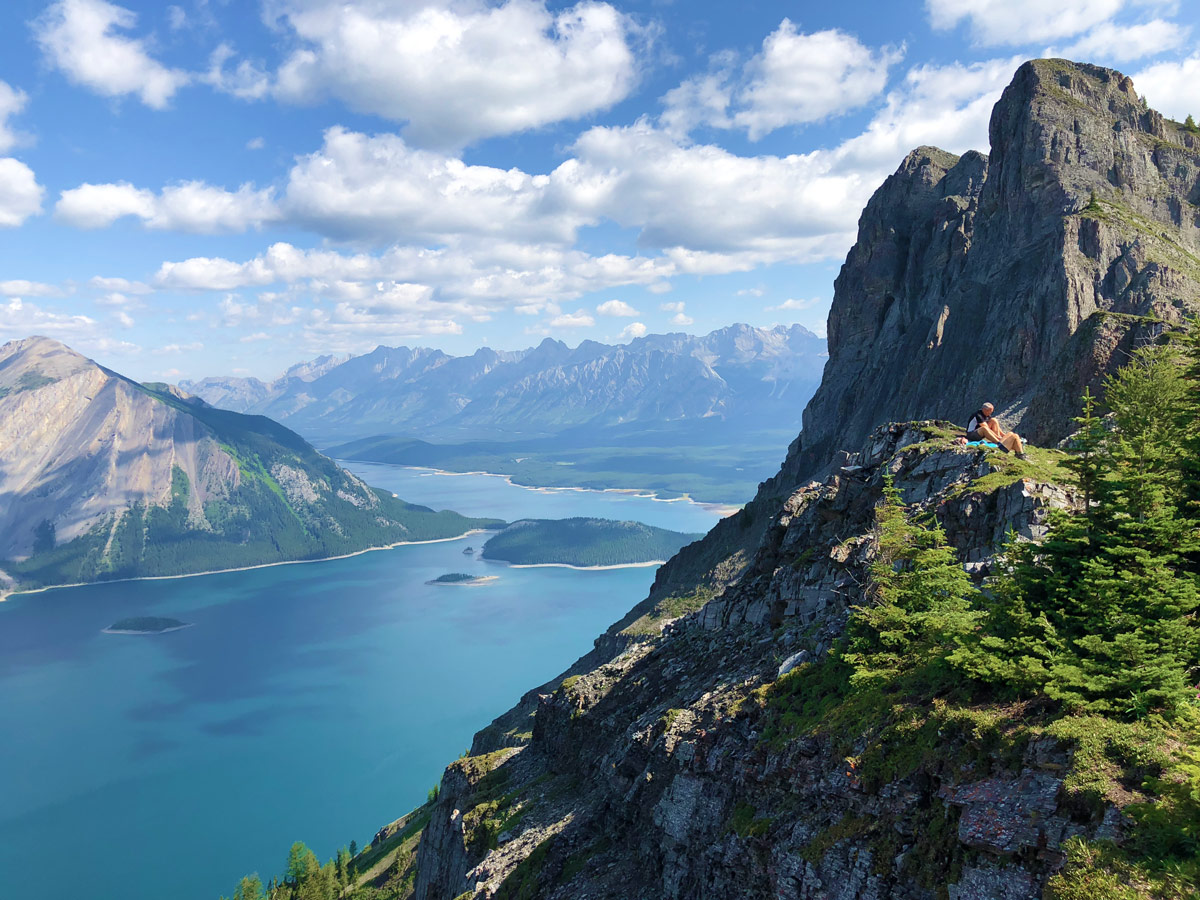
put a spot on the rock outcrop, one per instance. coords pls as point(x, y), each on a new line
point(655, 774)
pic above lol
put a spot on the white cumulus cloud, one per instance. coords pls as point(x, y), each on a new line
point(246, 81)
point(1019, 22)
point(21, 288)
point(1123, 43)
point(12, 101)
point(123, 285)
point(577, 319)
point(455, 72)
point(83, 39)
point(378, 186)
point(20, 319)
point(190, 206)
point(632, 330)
point(797, 78)
point(794, 305)
point(20, 194)
point(1170, 87)
point(616, 308)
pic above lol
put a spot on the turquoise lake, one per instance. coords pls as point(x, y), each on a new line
point(312, 702)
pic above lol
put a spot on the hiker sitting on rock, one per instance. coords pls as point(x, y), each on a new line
point(983, 427)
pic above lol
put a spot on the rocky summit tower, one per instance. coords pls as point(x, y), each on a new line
point(1016, 277)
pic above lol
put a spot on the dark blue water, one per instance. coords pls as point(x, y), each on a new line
point(309, 702)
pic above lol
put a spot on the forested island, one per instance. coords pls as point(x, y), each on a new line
point(584, 542)
point(461, 578)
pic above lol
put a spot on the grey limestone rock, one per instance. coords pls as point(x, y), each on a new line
point(1011, 278)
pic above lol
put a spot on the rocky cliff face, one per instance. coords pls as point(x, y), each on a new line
point(668, 770)
point(1016, 278)
point(102, 477)
point(674, 761)
point(78, 444)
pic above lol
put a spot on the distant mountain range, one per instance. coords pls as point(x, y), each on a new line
point(738, 373)
point(102, 477)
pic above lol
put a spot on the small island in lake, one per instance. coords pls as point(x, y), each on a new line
point(584, 543)
point(145, 625)
point(461, 578)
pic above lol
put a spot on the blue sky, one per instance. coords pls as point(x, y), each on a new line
point(217, 186)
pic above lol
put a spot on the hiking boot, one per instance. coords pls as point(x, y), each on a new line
point(1022, 455)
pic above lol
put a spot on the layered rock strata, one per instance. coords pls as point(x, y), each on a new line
point(1017, 277)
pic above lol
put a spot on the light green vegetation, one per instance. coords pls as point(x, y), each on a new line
point(384, 871)
point(584, 542)
point(667, 609)
point(29, 381)
point(1157, 239)
point(1044, 465)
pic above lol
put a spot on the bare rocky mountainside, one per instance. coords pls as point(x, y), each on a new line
point(738, 372)
point(102, 477)
point(706, 748)
point(1018, 277)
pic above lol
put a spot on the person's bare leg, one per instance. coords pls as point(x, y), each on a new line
point(1013, 442)
point(991, 432)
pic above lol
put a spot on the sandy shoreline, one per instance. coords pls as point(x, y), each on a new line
point(282, 562)
point(723, 510)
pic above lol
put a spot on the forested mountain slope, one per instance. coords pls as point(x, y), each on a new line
point(102, 477)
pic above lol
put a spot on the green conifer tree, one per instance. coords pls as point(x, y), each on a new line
point(302, 863)
point(1099, 616)
point(921, 610)
point(250, 888)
